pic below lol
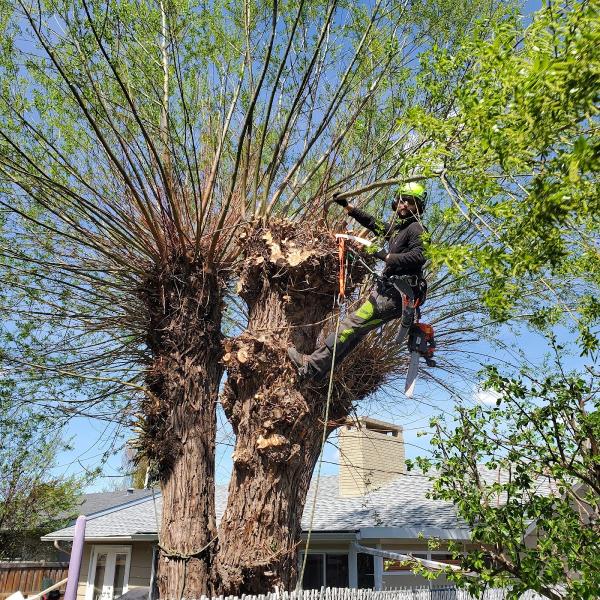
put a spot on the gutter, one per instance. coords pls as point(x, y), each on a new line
point(334, 535)
point(365, 533)
point(134, 537)
point(412, 533)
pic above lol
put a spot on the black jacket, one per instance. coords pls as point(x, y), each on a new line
point(405, 246)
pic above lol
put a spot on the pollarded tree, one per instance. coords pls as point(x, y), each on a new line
point(505, 169)
point(149, 151)
point(135, 139)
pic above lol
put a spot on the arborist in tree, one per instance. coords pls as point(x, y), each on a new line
point(404, 260)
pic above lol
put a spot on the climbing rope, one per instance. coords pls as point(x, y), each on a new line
point(341, 297)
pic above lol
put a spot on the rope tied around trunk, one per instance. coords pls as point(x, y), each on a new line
point(169, 553)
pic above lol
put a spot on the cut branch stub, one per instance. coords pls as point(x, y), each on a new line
point(298, 263)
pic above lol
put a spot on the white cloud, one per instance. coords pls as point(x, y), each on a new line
point(487, 397)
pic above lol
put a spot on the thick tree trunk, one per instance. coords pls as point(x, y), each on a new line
point(187, 529)
point(179, 419)
point(278, 421)
point(279, 432)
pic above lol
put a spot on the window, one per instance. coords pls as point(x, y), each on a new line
point(313, 572)
point(109, 572)
point(336, 570)
point(330, 570)
point(365, 567)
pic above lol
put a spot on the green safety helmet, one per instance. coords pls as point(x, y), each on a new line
point(414, 190)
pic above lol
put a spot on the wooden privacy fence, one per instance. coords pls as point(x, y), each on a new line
point(29, 577)
point(412, 593)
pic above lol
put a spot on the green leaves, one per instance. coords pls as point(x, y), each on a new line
point(523, 161)
point(524, 476)
point(31, 498)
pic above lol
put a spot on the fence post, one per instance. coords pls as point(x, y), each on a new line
point(75, 561)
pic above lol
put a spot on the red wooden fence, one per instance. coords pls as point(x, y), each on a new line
point(27, 577)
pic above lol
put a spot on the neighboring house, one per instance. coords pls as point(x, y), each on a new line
point(373, 502)
point(32, 549)
point(44, 562)
point(97, 503)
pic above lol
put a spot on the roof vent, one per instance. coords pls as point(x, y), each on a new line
point(130, 490)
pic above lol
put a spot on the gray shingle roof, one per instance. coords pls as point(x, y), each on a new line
point(400, 503)
point(90, 504)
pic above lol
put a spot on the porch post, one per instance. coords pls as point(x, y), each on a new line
point(378, 564)
point(75, 560)
point(352, 567)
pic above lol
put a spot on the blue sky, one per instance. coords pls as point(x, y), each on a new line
point(98, 444)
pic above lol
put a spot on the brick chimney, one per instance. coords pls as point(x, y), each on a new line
point(371, 454)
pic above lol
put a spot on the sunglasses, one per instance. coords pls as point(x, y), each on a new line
point(402, 201)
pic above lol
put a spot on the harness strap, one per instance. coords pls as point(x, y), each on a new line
point(404, 287)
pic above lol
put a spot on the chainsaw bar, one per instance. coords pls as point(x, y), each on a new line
point(421, 343)
point(411, 376)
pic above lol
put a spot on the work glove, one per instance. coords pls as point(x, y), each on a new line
point(377, 253)
point(340, 201)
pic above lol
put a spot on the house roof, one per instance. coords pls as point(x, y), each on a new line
point(400, 507)
point(100, 502)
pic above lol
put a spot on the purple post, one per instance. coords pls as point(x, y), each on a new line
point(75, 561)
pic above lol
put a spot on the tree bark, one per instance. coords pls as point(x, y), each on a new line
point(278, 439)
point(289, 282)
point(184, 306)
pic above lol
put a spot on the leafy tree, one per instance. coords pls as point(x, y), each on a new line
point(32, 500)
point(522, 162)
point(524, 172)
point(524, 475)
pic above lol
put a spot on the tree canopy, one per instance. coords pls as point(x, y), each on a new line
point(33, 501)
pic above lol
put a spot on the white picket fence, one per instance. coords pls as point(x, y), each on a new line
point(412, 593)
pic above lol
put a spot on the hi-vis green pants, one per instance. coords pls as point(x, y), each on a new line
point(384, 304)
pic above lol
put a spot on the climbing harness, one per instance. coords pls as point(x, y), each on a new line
point(404, 286)
point(421, 340)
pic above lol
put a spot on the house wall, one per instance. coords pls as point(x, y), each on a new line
point(140, 567)
point(141, 562)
